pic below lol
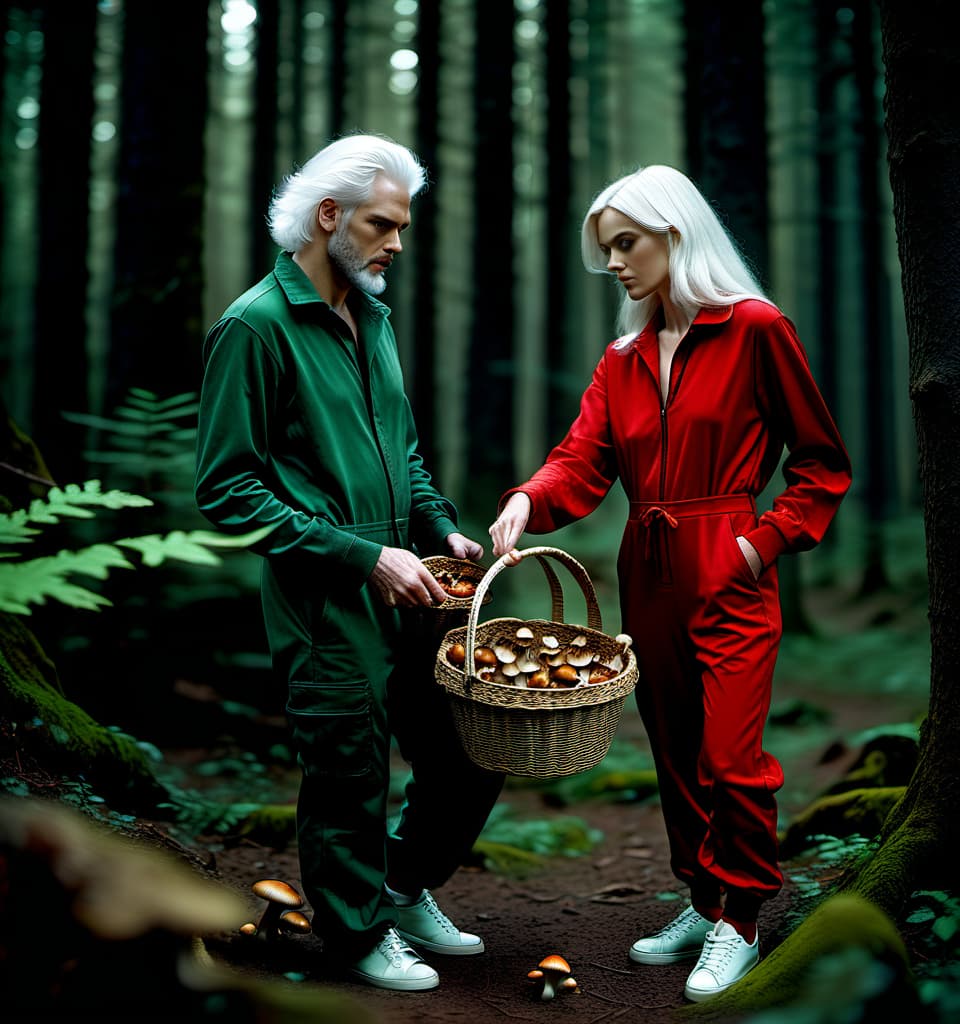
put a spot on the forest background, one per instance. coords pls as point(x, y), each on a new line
point(139, 147)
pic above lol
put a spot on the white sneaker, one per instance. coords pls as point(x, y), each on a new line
point(681, 939)
point(393, 964)
point(726, 958)
point(425, 925)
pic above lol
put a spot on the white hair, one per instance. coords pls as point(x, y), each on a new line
point(345, 171)
point(705, 266)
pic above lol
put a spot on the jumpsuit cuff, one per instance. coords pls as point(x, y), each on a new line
point(362, 556)
point(432, 536)
point(768, 541)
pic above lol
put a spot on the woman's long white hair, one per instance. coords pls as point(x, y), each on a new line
point(705, 266)
point(345, 171)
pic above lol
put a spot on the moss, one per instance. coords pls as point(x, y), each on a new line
point(856, 812)
point(272, 825)
point(845, 928)
point(59, 733)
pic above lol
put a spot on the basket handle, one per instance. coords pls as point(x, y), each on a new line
point(541, 554)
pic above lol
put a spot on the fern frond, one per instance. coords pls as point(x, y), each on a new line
point(189, 546)
point(36, 580)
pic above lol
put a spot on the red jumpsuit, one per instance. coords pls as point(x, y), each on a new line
point(706, 633)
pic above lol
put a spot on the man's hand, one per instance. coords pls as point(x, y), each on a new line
point(508, 526)
point(403, 581)
point(463, 547)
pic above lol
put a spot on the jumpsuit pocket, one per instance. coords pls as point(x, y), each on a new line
point(332, 727)
point(738, 529)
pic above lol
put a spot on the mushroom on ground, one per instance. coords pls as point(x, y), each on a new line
point(292, 921)
point(556, 976)
point(249, 929)
point(279, 896)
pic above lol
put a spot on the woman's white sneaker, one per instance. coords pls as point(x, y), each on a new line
point(726, 958)
point(426, 926)
point(393, 964)
point(681, 939)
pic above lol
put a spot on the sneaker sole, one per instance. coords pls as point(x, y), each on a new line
point(664, 958)
point(436, 947)
point(397, 984)
point(699, 995)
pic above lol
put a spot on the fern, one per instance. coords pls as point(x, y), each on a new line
point(35, 581)
point(146, 434)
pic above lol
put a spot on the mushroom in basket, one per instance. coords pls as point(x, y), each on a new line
point(553, 974)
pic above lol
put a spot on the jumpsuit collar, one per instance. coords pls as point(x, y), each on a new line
point(299, 289)
point(646, 344)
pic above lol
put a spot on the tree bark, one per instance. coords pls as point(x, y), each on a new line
point(158, 320)
point(60, 358)
point(918, 842)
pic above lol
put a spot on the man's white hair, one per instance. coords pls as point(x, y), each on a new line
point(705, 266)
point(345, 171)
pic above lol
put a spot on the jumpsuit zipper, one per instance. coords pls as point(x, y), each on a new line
point(664, 402)
point(359, 358)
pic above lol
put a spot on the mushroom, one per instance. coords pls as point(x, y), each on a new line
point(456, 654)
point(278, 896)
point(484, 656)
point(505, 655)
point(249, 929)
point(556, 976)
point(293, 922)
point(566, 675)
point(525, 635)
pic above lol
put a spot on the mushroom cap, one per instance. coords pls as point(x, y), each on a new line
point(248, 929)
point(524, 633)
point(294, 921)
point(554, 962)
point(275, 891)
point(534, 975)
point(569, 983)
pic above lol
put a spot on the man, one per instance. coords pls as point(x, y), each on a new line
point(304, 426)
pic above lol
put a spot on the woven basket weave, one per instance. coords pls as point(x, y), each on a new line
point(454, 611)
point(531, 732)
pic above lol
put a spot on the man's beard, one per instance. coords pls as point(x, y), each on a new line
point(345, 256)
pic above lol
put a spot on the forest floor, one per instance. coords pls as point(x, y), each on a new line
point(590, 908)
point(865, 669)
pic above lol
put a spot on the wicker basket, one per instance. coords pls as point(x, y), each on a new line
point(455, 610)
point(536, 733)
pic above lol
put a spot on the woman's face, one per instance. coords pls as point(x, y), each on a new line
point(639, 258)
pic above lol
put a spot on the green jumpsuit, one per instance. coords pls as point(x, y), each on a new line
point(302, 429)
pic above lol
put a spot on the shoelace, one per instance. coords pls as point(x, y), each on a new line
point(679, 925)
point(717, 951)
point(439, 916)
point(392, 947)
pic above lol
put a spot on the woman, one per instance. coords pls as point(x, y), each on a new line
point(691, 410)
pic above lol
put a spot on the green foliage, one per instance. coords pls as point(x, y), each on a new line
point(626, 775)
point(515, 847)
point(33, 581)
point(936, 915)
point(147, 436)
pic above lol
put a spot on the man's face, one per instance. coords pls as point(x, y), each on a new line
point(364, 245)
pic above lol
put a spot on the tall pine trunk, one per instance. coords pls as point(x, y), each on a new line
point(66, 114)
point(919, 839)
point(157, 320)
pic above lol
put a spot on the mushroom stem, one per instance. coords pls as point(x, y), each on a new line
point(548, 990)
point(268, 925)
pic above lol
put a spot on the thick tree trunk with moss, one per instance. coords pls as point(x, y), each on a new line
point(923, 127)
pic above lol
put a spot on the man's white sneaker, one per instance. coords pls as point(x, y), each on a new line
point(393, 964)
point(726, 958)
point(426, 926)
point(681, 939)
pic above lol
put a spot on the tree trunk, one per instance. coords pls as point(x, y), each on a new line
point(420, 376)
point(158, 302)
point(918, 842)
point(262, 249)
point(725, 119)
point(879, 473)
point(490, 395)
point(65, 127)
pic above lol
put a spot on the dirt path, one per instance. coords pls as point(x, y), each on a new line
point(589, 908)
